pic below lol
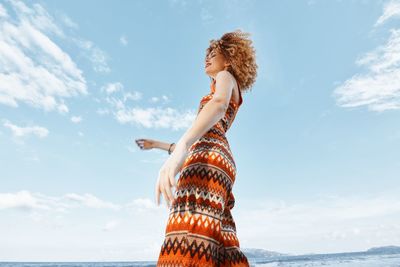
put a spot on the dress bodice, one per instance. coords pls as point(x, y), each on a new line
point(224, 123)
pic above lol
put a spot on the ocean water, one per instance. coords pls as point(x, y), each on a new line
point(79, 264)
point(392, 260)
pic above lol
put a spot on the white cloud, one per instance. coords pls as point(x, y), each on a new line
point(33, 68)
point(91, 201)
point(83, 233)
point(142, 204)
point(62, 108)
point(97, 56)
point(154, 99)
point(111, 225)
point(69, 22)
point(25, 131)
point(26, 200)
point(132, 96)
point(379, 87)
point(76, 119)
point(123, 40)
point(390, 10)
point(156, 117)
point(148, 117)
point(3, 12)
point(36, 16)
point(116, 102)
point(112, 87)
point(21, 200)
point(328, 223)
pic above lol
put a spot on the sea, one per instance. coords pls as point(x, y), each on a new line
point(392, 260)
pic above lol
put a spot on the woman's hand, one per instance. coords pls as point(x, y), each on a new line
point(167, 173)
point(146, 143)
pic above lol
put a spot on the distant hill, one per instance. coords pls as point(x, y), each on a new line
point(256, 254)
point(261, 253)
point(385, 250)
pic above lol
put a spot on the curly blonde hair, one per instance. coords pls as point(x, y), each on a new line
point(239, 52)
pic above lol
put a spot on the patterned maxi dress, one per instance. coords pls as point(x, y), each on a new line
point(200, 229)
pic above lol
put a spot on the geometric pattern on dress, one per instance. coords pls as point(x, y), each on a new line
point(200, 228)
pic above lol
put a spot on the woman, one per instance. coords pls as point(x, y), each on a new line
point(200, 230)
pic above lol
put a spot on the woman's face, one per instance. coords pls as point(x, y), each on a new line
point(214, 63)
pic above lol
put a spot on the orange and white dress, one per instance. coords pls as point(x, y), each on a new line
point(200, 230)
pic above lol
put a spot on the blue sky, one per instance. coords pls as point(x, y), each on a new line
point(315, 141)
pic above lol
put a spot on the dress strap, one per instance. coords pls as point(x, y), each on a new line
point(213, 86)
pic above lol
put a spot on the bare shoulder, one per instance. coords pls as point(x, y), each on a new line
point(226, 79)
point(225, 75)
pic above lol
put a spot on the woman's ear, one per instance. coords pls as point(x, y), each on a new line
point(226, 66)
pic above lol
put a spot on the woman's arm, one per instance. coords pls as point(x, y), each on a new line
point(165, 146)
point(212, 111)
point(150, 143)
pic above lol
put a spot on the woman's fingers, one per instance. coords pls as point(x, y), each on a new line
point(164, 191)
point(171, 177)
point(144, 143)
point(172, 183)
point(169, 195)
point(163, 188)
point(165, 182)
point(141, 143)
point(166, 188)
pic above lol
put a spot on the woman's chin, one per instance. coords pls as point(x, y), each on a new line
point(208, 71)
